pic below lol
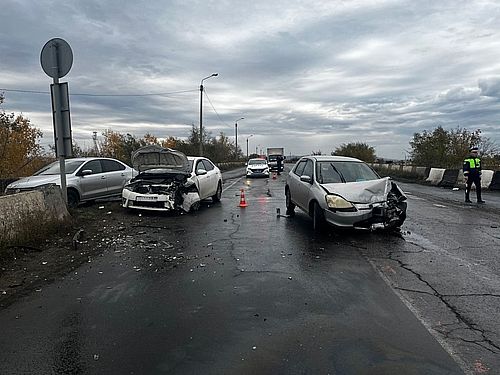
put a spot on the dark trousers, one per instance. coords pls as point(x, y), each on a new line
point(476, 180)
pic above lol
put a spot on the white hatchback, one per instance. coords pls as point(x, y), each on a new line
point(257, 168)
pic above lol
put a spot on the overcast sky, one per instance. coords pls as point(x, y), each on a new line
point(306, 75)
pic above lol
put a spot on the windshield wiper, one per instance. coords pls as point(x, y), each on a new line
point(340, 174)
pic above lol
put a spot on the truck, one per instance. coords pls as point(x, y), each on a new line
point(272, 158)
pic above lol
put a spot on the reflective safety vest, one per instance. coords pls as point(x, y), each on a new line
point(474, 163)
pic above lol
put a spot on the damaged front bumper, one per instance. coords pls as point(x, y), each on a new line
point(160, 202)
point(387, 205)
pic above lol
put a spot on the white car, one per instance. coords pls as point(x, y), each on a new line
point(257, 168)
point(168, 180)
point(86, 179)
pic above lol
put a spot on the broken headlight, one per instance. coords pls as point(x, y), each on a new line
point(338, 203)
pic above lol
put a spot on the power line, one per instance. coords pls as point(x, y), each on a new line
point(103, 95)
point(217, 113)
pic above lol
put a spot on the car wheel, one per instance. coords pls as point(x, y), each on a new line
point(73, 198)
point(290, 207)
point(218, 193)
point(195, 207)
point(318, 217)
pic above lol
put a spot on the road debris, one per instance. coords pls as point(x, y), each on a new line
point(76, 238)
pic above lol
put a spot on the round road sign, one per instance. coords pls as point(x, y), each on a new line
point(56, 58)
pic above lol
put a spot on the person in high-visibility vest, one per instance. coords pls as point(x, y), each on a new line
point(472, 174)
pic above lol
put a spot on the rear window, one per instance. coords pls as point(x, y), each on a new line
point(328, 172)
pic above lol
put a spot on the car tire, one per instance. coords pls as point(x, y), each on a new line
point(218, 193)
point(290, 207)
point(318, 216)
point(73, 198)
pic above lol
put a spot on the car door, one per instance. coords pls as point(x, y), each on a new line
point(212, 180)
point(116, 176)
point(203, 180)
point(303, 188)
point(92, 185)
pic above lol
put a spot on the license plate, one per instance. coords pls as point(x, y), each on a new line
point(146, 198)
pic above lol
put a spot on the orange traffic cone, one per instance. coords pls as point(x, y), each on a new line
point(243, 202)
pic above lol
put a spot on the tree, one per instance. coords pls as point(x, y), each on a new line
point(443, 148)
point(121, 146)
point(358, 150)
point(20, 151)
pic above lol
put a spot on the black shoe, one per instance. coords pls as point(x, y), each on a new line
point(468, 201)
point(481, 201)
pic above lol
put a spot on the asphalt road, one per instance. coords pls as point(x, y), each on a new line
point(232, 290)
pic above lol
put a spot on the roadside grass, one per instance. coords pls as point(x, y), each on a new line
point(34, 230)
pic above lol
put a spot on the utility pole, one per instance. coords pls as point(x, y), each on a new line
point(201, 111)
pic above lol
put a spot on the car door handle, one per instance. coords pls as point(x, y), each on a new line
point(103, 177)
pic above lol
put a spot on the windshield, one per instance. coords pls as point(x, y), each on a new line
point(53, 168)
point(328, 172)
point(256, 161)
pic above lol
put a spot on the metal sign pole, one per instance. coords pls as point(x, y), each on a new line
point(58, 124)
point(56, 59)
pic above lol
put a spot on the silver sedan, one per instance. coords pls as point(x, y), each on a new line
point(86, 178)
point(344, 192)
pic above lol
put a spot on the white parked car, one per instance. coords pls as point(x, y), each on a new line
point(257, 168)
point(86, 178)
point(168, 180)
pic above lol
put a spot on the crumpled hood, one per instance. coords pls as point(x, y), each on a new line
point(34, 181)
point(157, 157)
point(372, 191)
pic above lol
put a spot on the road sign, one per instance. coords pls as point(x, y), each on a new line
point(56, 58)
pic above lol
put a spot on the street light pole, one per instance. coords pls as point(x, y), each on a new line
point(236, 136)
point(251, 135)
point(201, 111)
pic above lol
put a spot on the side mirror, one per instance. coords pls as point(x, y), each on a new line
point(201, 172)
point(86, 172)
point(305, 178)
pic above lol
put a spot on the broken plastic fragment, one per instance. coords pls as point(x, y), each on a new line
point(96, 357)
point(101, 207)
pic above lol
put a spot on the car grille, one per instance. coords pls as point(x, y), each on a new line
point(257, 170)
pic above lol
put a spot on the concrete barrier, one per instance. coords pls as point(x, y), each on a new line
point(495, 181)
point(435, 176)
point(486, 179)
point(31, 211)
point(407, 169)
point(450, 177)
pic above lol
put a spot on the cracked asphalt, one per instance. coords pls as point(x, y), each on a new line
point(228, 290)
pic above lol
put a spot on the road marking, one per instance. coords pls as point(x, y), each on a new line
point(234, 183)
point(439, 205)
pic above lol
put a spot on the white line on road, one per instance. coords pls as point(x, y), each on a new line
point(439, 205)
point(234, 183)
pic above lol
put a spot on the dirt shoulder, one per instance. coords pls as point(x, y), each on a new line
point(27, 269)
